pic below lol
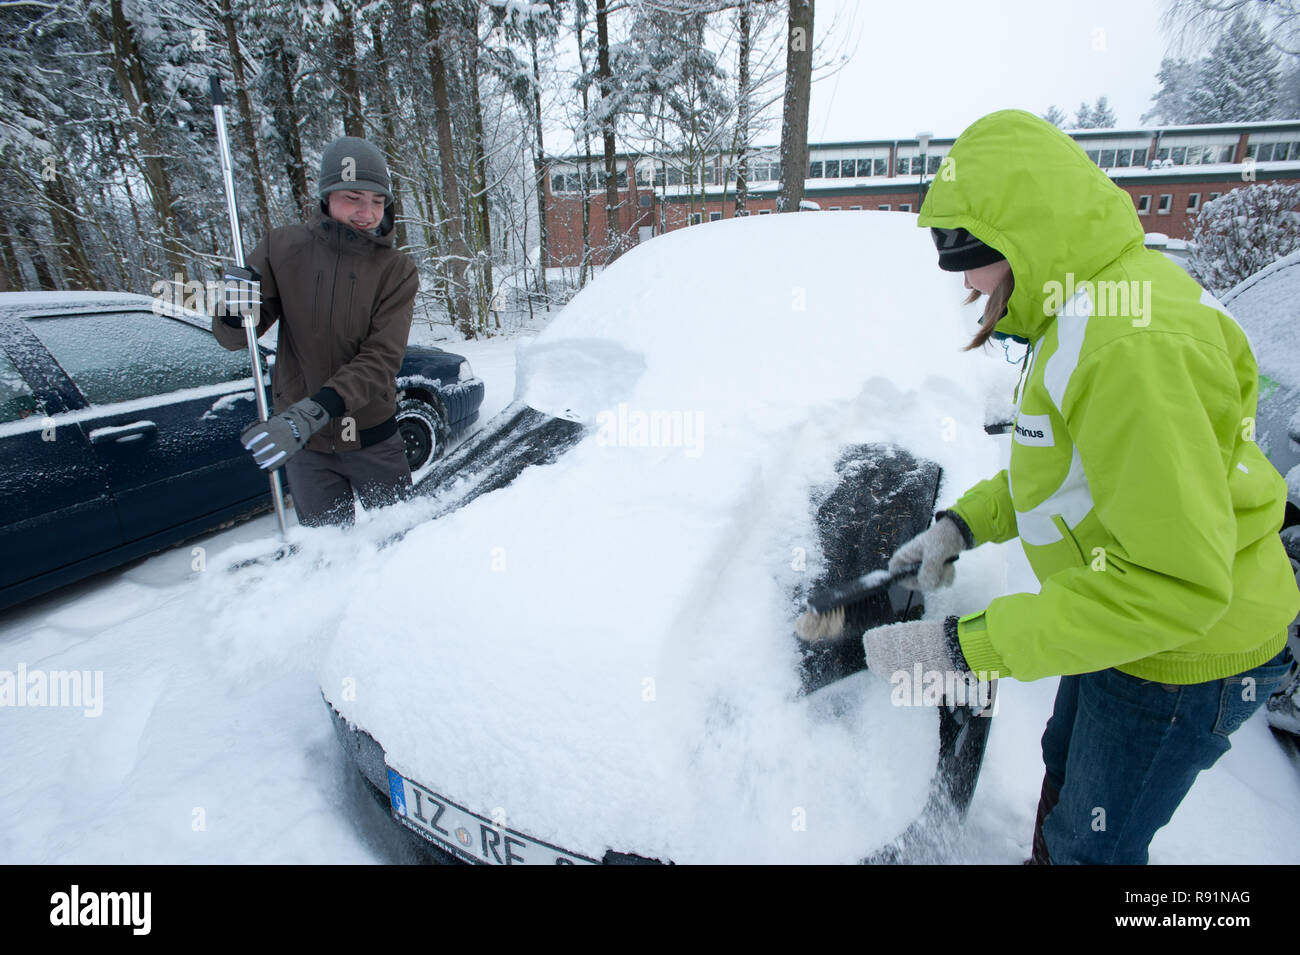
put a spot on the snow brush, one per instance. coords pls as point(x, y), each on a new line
point(833, 596)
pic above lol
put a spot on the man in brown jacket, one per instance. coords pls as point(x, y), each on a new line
point(343, 297)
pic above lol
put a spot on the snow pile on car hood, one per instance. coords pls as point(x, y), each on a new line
point(602, 654)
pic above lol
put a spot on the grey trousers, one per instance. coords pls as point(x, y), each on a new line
point(322, 484)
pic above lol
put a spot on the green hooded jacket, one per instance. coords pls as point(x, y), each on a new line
point(1147, 512)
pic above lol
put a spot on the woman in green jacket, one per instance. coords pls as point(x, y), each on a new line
point(1146, 510)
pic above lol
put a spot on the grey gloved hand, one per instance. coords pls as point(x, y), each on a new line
point(274, 441)
point(933, 547)
point(900, 646)
point(241, 295)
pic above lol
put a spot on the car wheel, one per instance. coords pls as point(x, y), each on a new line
point(424, 428)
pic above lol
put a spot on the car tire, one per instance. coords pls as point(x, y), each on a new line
point(424, 427)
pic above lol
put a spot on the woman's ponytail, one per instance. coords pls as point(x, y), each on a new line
point(994, 309)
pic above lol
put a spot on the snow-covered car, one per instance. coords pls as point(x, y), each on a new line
point(120, 418)
point(1267, 306)
point(728, 417)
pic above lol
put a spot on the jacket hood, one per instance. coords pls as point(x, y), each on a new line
point(1019, 184)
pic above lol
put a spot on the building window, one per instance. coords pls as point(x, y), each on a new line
point(715, 216)
point(1179, 155)
point(1124, 157)
point(815, 170)
point(1094, 155)
point(885, 207)
point(1215, 195)
point(879, 167)
point(1193, 202)
point(696, 218)
point(764, 212)
point(833, 209)
point(1107, 160)
point(741, 213)
point(904, 207)
point(1139, 157)
point(864, 168)
point(832, 169)
point(1166, 202)
point(855, 208)
point(1144, 205)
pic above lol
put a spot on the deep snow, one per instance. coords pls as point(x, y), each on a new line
point(214, 745)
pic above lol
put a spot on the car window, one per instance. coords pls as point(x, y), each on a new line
point(125, 355)
point(16, 399)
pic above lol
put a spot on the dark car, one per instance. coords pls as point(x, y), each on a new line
point(119, 428)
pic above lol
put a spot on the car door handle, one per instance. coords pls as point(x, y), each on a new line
point(123, 433)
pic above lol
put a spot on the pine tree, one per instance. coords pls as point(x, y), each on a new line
point(1103, 117)
point(1097, 116)
point(1173, 101)
point(1238, 80)
point(1056, 116)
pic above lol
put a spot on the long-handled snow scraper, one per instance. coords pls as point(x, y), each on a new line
point(250, 318)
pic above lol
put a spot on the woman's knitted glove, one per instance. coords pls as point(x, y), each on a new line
point(933, 548)
point(900, 646)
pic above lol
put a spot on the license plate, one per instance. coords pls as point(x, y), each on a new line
point(467, 835)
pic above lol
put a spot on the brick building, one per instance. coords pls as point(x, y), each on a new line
point(1169, 171)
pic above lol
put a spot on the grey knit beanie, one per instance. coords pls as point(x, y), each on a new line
point(353, 163)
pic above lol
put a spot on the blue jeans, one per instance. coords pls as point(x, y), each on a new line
point(1124, 752)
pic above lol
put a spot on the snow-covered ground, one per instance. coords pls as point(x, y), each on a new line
point(215, 746)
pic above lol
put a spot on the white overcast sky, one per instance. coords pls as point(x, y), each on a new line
point(939, 65)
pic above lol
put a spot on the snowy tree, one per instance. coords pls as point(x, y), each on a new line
point(1239, 233)
point(1238, 79)
point(1056, 116)
point(1288, 91)
point(1178, 81)
point(1103, 117)
point(1097, 116)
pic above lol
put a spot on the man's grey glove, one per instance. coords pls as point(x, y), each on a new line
point(900, 646)
point(274, 441)
point(933, 548)
point(241, 295)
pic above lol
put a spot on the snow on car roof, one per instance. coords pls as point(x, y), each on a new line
point(602, 653)
point(1267, 306)
point(50, 303)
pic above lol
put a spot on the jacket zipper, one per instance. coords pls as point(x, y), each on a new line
point(1024, 373)
point(335, 432)
point(352, 288)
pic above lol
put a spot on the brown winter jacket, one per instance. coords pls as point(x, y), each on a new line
point(344, 300)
